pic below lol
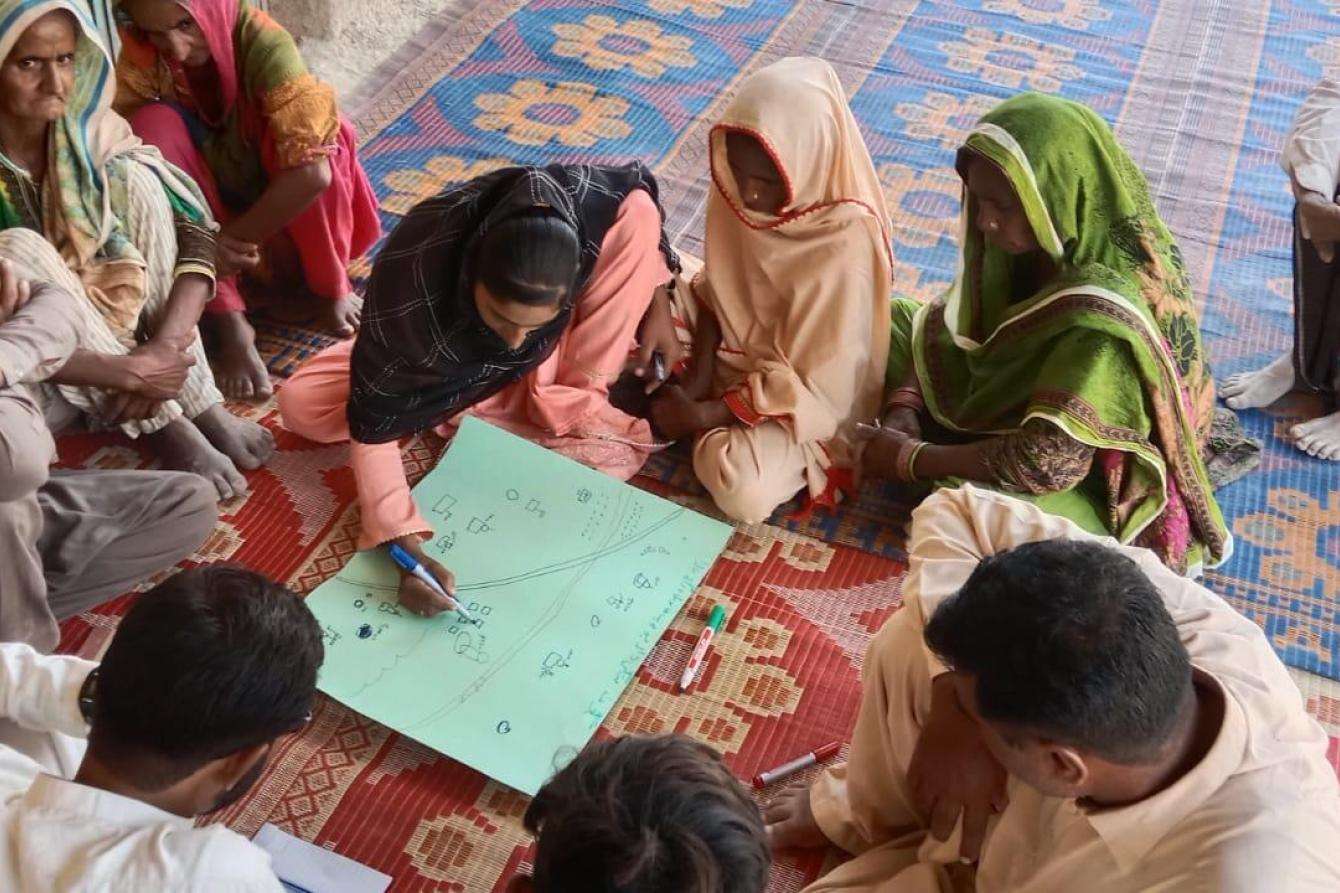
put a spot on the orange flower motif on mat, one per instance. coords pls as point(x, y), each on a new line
point(1010, 60)
point(534, 113)
point(703, 9)
point(943, 117)
point(413, 185)
point(1302, 537)
point(1077, 14)
point(638, 45)
point(924, 205)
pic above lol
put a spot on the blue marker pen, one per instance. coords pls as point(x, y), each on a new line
point(411, 564)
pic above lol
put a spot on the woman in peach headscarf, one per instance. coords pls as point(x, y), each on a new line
point(792, 304)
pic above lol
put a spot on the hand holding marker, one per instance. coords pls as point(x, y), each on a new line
point(715, 620)
point(412, 565)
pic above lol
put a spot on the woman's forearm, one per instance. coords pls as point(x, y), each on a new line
point(190, 293)
point(289, 194)
point(936, 461)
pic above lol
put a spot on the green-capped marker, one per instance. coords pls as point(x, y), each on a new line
point(715, 621)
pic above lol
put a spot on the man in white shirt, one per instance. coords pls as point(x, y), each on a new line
point(204, 673)
point(1312, 159)
point(1098, 722)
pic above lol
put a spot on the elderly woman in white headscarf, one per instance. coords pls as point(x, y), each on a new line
point(86, 207)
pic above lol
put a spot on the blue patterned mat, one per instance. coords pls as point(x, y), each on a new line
point(1201, 91)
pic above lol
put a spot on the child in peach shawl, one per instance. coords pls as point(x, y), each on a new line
point(792, 304)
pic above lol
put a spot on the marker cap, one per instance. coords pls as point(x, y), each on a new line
point(717, 618)
point(828, 751)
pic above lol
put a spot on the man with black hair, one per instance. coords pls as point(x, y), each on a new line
point(204, 674)
point(643, 814)
point(1096, 722)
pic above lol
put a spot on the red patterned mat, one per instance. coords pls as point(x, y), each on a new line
point(785, 675)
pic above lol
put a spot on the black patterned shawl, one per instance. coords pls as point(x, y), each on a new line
point(423, 353)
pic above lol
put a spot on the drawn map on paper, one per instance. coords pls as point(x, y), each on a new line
point(572, 577)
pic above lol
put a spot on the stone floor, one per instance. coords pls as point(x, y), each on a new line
point(344, 41)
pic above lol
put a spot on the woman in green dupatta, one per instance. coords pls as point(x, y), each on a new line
point(1065, 365)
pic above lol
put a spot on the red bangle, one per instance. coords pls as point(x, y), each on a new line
point(905, 398)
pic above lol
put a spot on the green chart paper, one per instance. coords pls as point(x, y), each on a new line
point(573, 577)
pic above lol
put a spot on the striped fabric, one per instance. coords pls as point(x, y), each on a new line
point(151, 228)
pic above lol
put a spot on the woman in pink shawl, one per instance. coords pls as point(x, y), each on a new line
point(220, 88)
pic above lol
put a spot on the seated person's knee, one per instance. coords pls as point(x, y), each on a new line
point(24, 468)
point(746, 499)
point(157, 118)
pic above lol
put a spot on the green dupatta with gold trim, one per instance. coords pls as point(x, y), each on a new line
point(1108, 351)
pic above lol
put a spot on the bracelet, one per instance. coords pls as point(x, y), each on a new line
point(904, 463)
point(905, 398)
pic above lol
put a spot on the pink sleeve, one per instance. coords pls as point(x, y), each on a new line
point(383, 494)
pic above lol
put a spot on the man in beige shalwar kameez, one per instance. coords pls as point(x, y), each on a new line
point(1184, 768)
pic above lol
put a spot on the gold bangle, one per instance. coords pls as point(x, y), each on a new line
point(912, 461)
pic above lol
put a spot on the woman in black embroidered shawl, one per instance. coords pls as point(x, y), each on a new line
point(517, 297)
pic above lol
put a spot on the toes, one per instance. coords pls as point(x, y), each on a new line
point(223, 486)
point(236, 481)
point(1235, 402)
point(262, 388)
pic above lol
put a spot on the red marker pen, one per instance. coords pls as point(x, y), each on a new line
point(819, 755)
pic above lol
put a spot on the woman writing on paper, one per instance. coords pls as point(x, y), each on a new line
point(516, 297)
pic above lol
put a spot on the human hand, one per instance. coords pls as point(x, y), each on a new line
point(953, 772)
point(904, 419)
point(235, 256)
point(128, 407)
point(657, 335)
point(789, 820)
point(14, 291)
point(1321, 223)
point(158, 368)
point(675, 414)
point(416, 595)
point(882, 446)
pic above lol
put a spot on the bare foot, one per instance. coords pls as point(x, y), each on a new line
point(183, 447)
point(790, 820)
point(1319, 438)
point(248, 444)
point(1252, 390)
point(341, 317)
point(238, 368)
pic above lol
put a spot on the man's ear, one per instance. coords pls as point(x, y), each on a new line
point(1069, 768)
